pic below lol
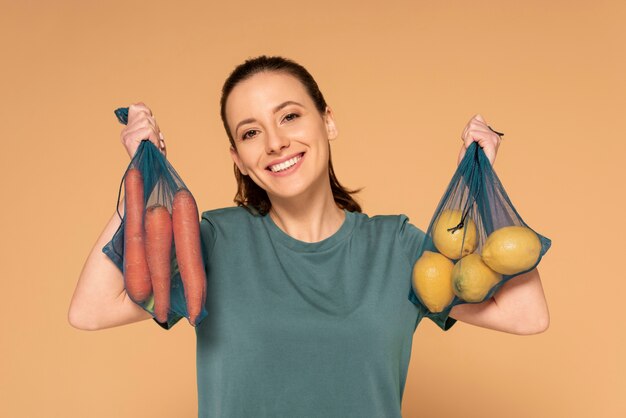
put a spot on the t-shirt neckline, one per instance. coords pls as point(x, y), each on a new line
point(281, 236)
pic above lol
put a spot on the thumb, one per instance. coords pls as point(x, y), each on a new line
point(480, 118)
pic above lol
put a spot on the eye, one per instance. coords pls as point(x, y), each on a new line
point(291, 116)
point(245, 134)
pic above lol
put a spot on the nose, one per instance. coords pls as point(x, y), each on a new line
point(275, 141)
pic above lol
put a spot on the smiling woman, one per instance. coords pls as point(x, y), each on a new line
point(303, 99)
point(309, 314)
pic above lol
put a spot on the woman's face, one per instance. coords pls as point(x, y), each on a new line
point(274, 121)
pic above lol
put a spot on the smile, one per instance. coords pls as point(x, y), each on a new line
point(286, 166)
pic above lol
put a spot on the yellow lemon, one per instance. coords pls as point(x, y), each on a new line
point(432, 282)
point(472, 279)
point(512, 249)
point(458, 243)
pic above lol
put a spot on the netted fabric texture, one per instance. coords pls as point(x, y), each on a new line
point(161, 182)
point(476, 241)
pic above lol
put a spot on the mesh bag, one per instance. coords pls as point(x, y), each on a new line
point(160, 184)
point(476, 241)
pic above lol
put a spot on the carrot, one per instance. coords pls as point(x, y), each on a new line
point(188, 252)
point(158, 226)
point(136, 273)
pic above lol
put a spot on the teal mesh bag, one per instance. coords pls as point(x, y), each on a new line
point(160, 184)
point(476, 241)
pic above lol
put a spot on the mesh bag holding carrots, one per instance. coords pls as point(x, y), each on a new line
point(158, 246)
point(476, 241)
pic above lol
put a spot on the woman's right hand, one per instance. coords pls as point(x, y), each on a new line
point(141, 125)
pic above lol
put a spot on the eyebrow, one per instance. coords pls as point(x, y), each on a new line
point(276, 109)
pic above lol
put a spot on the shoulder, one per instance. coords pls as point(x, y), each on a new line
point(393, 232)
point(391, 223)
point(399, 228)
point(232, 219)
point(227, 213)
point(390, 227)
point(232, 224)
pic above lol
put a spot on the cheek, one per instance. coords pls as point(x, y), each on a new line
point(300, 133)
point(309, 130)
point(322, 155)
point(245, 159)
point(251, 151)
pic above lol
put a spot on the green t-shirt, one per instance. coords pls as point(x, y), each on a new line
point(305, 330)
point(297, 329)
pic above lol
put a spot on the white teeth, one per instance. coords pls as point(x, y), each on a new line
point(284, 165)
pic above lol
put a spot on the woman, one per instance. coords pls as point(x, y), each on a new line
point(307, 299)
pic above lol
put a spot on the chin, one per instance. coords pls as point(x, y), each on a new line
point(292, 193)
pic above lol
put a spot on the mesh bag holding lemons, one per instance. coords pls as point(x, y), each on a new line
point(476, 241)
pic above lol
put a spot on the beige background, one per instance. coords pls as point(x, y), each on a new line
point(403, 78)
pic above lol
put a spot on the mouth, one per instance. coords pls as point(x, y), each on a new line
point(287, 165)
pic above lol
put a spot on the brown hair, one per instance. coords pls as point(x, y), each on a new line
point(249, 194)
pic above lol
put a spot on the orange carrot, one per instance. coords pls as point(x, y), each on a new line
point(136, 273)
point(158, 250)
point(188, 252)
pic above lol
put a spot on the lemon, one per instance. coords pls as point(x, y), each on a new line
point(472, 279)
point(512, 249)
point(458, 243)
point(432, 282)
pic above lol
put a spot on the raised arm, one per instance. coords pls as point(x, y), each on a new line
point(100, 300)
point(518, 307)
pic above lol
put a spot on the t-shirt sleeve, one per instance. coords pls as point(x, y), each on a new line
point(207, 236)
point(412, 239)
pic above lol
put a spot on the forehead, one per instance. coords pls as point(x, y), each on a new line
point(264, 91)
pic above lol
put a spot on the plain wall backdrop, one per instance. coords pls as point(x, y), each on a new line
point(403, 78)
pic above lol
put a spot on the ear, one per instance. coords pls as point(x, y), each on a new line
point(331, 127)
point(237, 160)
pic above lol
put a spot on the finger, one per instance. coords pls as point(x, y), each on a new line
point(156, 125)
point(474, 130)
point(138, 116)
point(162, 146)
point(139, 106)
point(138, 111)
point(486, 133)
point(140, 127)
point(139, 134)
point(476, 124)
point(481, 128)
point(488, 148)
point(483, 140)
point(136, 136)
point(146, 121)
point(152, 122)
point(480, 118)
point(140, 122)
point(500, 134)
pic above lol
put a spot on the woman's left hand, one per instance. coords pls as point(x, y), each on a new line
point(478, 130)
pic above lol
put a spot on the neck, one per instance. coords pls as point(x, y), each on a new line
point(308, 219)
